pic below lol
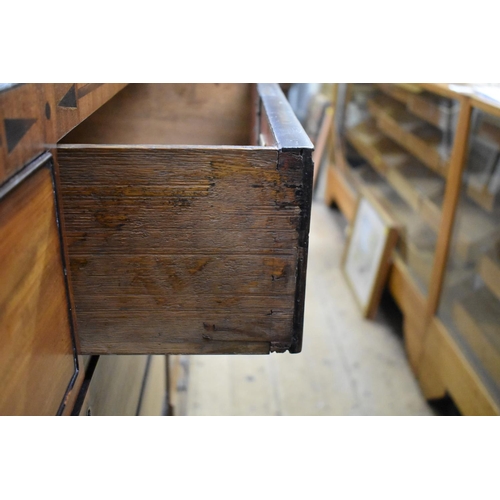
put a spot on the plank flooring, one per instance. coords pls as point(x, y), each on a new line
point(348, 366)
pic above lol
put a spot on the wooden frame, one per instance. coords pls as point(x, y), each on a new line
point(382, 239)
point(435, 357)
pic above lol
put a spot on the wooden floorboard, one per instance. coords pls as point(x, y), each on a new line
point(348, 365)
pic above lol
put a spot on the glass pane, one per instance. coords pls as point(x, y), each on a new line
point(470, 302)
point(397, 140)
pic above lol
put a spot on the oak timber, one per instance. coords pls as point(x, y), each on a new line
point(215, 228)
point(188, 249)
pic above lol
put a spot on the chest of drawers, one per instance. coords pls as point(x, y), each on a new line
point(173, 220)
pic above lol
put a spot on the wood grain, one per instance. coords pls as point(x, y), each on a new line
point(173, 249)
point(115, 386)
point(175, 114)
point(23, 127)
point(32, 118)
point(37, 360)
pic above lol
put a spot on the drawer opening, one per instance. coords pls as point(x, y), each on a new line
point(171, 114)
point(183, 235)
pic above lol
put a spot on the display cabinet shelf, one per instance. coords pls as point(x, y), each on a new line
point(422, 140)
point(489, 270)
point(430, 154)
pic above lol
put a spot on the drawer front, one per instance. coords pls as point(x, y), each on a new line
point(115, 387)
point(186, 250)
point(35, 115)
point(154, 394)
point(37, 361)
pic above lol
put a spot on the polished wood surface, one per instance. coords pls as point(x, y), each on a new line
point(35, 116)
point(37, 360)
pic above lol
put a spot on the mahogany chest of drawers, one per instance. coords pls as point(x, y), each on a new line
point(139, 221)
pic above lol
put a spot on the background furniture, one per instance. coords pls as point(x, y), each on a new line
point(422, 151)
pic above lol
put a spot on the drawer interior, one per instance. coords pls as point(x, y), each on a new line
point(171, 114)
point(183, 236)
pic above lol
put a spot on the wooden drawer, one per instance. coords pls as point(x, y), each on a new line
point(114, 387)
point(37, 355)
point(33, 115)
point(154, 394)
point(184, 235)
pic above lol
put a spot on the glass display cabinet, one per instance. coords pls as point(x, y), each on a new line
point(469, 306)
point(430, 154)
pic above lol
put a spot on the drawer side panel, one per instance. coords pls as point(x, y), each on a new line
point(184, 250)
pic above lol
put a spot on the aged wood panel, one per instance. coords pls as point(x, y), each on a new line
point(181, 250)
point(175, 276)
point(202, 114)
point(37, 359)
